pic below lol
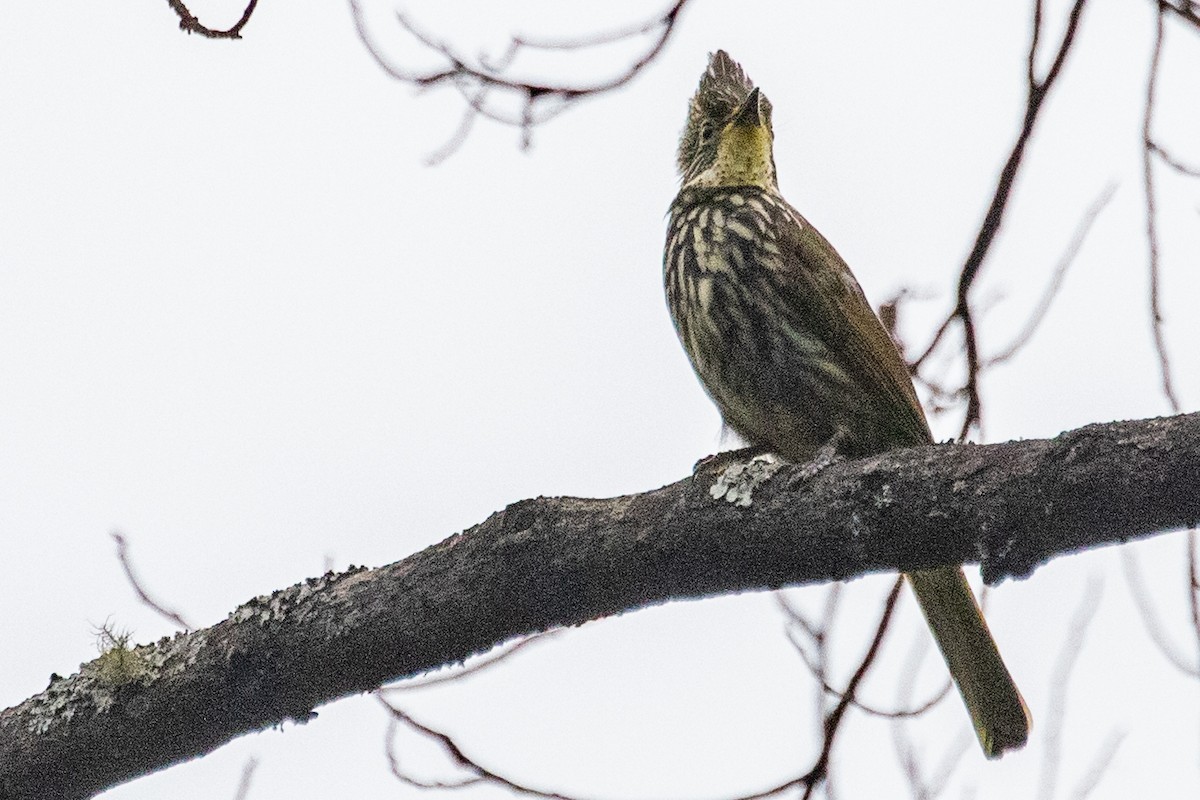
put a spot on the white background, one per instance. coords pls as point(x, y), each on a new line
point(244, 324)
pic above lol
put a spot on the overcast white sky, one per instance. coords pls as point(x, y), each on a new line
point(242, 323)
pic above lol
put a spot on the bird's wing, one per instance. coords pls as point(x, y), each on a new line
point(817, 282)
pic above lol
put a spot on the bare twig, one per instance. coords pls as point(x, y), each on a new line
point(1060, 271)
point(450, 147)
point(479, 666)
point(818, 634)
point(815, 631)
point(1060, 686)
point(1187, 10)
point(398, 718)
point(833, 721)
point(1150, 149)
point(1037, 90)
point(818, 670)
point(189, 23)
point(243, 790)
point(1174, 163)
point(1194, 586)
point(1156, 317)
point(1141, 598)
point(921, 787)
point(143, 595)
point(818, 662)
point(478, 773)
point(1091, 777)
point(479, 78)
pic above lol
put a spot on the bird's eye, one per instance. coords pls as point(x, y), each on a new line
point(706, 131)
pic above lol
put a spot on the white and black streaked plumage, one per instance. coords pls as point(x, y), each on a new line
point(771, 316)
point(786, 344)
point(732, 250)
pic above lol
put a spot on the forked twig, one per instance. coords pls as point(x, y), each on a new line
point(479, 78)
point(1055, 283)
point(962, 313)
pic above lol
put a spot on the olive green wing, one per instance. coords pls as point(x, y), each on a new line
point(818, 283)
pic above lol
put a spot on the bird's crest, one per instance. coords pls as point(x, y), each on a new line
point(728, 139)
point(723, 87)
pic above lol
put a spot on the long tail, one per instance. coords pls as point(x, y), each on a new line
point(1000, 716)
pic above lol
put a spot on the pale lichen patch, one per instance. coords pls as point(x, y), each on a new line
point(279, 605)
point(93, 689)
point(737, 482)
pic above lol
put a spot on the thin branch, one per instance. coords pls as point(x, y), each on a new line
point(1090, 778)
point(1151, 148)
point(963, 314)
point(1193, 558)
point(815, 631)
point(1156, 317)
point(1141, 598)
point(465, 124)
point(480, 78)
point(1060, 272)
point(1031, 78)
point(243, 790)
point(1037, 91)
point(920, 787)
point(480, 665)
point(189, 23)
point(1060, 685)
point(1189, 11)
point(1173, 162)
point(827, 689)
point(818, 633)
point(396, 720)
point(934, 343)
point(479, 773)
point(143, 595)
point(833, 722)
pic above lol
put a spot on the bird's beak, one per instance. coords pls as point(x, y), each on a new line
point(750, 114)
point(744, 155)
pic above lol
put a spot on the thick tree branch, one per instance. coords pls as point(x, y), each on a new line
point(563, 561)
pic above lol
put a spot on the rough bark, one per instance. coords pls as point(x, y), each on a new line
point(548, 562)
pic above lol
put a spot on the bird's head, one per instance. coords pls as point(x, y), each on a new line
point(728, 139)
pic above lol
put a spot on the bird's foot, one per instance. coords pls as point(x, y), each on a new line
point(725, 458)
point(826, 457)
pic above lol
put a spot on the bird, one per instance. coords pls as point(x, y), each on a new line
point(786, 344)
